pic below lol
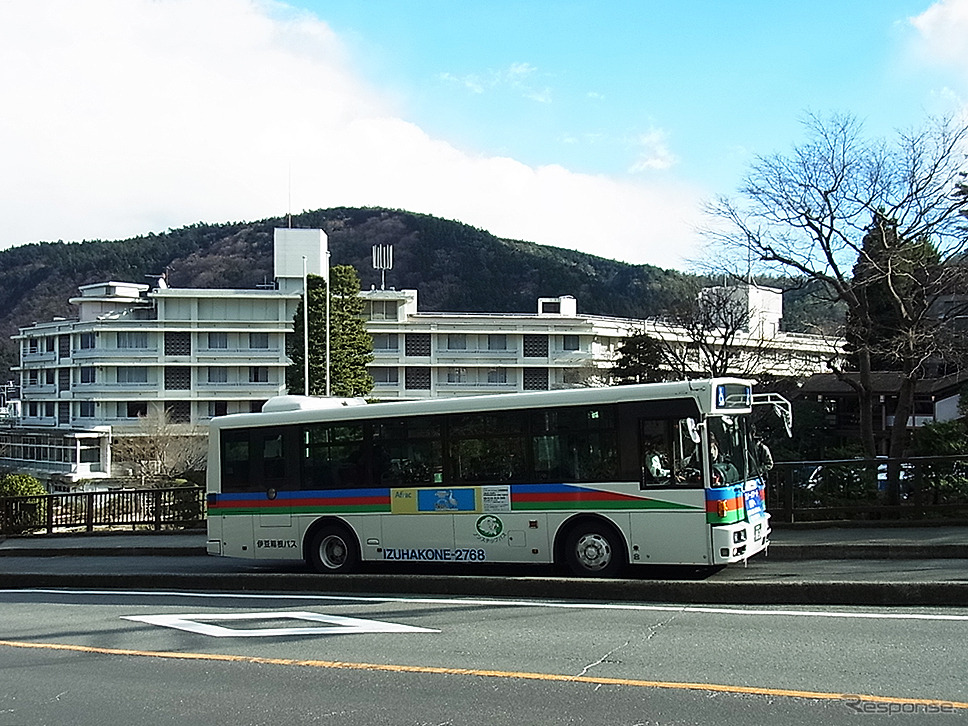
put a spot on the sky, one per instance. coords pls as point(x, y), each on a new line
point(598, 126)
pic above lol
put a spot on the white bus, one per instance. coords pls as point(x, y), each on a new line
point(594, 478)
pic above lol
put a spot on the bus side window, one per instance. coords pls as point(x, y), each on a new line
point(655, 451)
point(235, 461)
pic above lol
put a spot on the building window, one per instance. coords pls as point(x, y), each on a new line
point(32, 345)
point(32, 377)
point(32, 409)
point(87, 341)
point(133, 374)
point(218, 375)
point(258, 374)
point(382, 309)
point(63, 412)
point(497, 375)
point(536, 379)
point(178, 378)
point(386, 341)
point(134, 339)
point(178, 344)
point(132, 409)
point(218, 341)
point(417, 378)
point(48, 409)
point(385, 375)
point(457, 375)
point(180, 411)
point(535, 346)
point(49, 345)
point(63, 379)
point(85, 409)
point(63, 346)
point(259, 341)
point(217, 408)
point(49, 377)
point(549, 307)
point(418, 344)
point(88, 374)
point(497, 341)
point(456, 341)
point(569, 342)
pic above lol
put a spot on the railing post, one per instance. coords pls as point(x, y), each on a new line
point(157, 501)
point(49, 514)
point(89, 514)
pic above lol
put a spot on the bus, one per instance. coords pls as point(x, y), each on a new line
point(595, 479)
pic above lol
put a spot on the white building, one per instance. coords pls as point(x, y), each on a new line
point(136, 349)
point(427, 354)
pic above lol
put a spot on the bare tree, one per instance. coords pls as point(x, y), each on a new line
point(156, 448)
point(808, 213)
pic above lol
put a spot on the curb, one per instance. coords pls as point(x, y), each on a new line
point(950, 594)
point(777, 552)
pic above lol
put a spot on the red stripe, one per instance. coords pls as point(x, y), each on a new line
point(314, 501)
point(732, 505)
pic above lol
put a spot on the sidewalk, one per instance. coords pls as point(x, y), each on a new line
point(788, 543)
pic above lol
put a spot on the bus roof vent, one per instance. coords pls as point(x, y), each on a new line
point(308, 403)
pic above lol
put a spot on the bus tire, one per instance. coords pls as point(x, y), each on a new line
point(333, 550)
point(594, 549)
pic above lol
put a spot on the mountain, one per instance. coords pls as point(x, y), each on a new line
point(455, 268)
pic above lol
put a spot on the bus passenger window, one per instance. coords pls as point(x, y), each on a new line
point(656, 451)
point(273, 458)
point(235, 462)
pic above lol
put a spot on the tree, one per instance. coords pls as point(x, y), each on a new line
point(724, 331)
point(351, 348)
point(21, 485)
point(810, 212)
point(640, 360)
point(157, 449)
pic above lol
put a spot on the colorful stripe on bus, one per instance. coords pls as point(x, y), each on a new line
point(725, 505)
point(522, 497)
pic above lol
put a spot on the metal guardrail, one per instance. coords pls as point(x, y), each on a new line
point(176, 507)
point(914, 488)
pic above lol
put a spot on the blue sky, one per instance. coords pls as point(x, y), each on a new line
point(596, 126)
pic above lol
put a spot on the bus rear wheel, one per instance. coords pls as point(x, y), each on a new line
point(333, 550)
point(593, 549)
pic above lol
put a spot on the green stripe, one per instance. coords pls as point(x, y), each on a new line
point(737, 515)
point(591, 506)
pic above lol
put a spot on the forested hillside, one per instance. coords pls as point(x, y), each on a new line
point(454, 266)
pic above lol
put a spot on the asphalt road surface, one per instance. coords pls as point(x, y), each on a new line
point(94, 657)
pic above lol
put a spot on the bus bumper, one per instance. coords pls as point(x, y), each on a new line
point(741, 540)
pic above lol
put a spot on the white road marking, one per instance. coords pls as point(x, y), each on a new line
point(202, 624)
point(471, 602)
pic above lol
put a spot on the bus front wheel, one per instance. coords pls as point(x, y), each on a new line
point(593, 549)
point(333, 550)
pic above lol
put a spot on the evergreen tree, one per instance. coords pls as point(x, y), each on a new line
point(351, 347)
point(640, 359)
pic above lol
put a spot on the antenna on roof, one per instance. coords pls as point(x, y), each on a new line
point(289, 203)
point(383, 261)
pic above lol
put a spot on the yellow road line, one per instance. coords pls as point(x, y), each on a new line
point(817, 695)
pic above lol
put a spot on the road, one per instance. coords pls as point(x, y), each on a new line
point(86, 657)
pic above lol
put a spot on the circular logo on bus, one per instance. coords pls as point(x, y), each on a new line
point(490, 526)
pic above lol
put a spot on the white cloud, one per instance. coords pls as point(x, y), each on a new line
point(943, 30)
point(129, 116)
point(654, 153)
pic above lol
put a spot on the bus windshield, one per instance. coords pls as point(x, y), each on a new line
point(727, 449)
